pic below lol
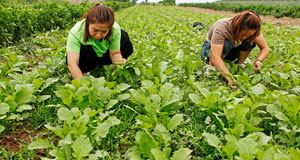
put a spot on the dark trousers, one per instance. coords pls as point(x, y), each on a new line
point(229, 53)
point(88, 59)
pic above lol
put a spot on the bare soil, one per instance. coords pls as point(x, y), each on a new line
point(90, 1)
point(284, 21)
point(12, 140)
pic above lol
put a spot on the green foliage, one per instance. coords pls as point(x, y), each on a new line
point(20, 20)
point(80, 134)
point(158, 105)
point(275, 10)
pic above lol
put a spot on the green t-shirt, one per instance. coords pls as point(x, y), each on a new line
point(76, 36)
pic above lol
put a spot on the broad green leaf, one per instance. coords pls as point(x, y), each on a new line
point(138, 97)
point(81, 147)
point(153, 106)
point(137, 71)
point(2, 128)
point(113, 121)
point(66, 93)
point(158, 154)
point(133, 153)
point(104, 94)
point(122, 87)
point(258, 89)
point(161, 131)
point(247, 148)
point(147, 142)
point(111, 103)
point(201, 89)
point(176, 96)
point(283, 75)
point(24, 93)
point(282, 156)
point(231, 146)
point(48, 82)
point(98, 82)
point(269, 154)
point(212, 140)
point(39, 144)
point(273, 109)
point(38, 83)
point(56, 130)
point(84, 119)
point(102, 115)
point(238, 129)
point(166, 91)
point(65, 114)
point(123, 97)
point(76, 112)
point(175, 121)
point(182, 154)
point(196, 98)
point(148, 84)
point(138, 137)
point(262, 138)
point(84, 96)
point(42, 98)
point(255, 120)
point(99, 154)
point(145, 120)
point(4, 108)
point(281, 116)
point(24, 108)
point(101, 130)
point(294, 153)
point(256, 79)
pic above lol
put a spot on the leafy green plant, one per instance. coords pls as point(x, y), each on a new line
point(80, 134)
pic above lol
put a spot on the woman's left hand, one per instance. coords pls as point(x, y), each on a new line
point(257, 65)
point(124, 60)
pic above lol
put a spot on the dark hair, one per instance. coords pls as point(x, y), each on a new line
point(99, 14)
point(246, 20)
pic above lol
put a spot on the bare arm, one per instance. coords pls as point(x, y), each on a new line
point(218, 62)
point(73, 61)
point(116, 56)
point(264, 51)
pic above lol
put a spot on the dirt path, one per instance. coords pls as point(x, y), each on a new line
point(79, 1)
point(284, 21)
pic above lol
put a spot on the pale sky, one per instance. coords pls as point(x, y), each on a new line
point(179, 1)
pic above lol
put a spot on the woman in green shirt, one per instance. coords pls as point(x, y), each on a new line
point(96, 40)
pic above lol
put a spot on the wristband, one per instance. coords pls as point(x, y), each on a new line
point(258, 60)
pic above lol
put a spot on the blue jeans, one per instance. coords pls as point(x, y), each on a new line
point(229, 52)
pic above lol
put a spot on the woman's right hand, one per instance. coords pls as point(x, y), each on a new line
point(257, 65)
point(232, 84)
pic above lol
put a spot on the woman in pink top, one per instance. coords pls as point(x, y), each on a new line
point(233, 39)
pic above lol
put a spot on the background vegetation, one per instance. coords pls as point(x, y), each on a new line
point(277, 10)
point(159, 105)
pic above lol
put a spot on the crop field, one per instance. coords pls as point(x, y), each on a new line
point(282, 3)
point(158, 105)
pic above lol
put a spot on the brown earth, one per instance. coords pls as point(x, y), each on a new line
point(90, 1)
point(12, 140)
point(284, 21)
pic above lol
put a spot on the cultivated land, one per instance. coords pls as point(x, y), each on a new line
point(283, 21)
point(157, 106)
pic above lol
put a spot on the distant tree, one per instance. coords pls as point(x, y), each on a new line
point(169, 2)
point(122, 0)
